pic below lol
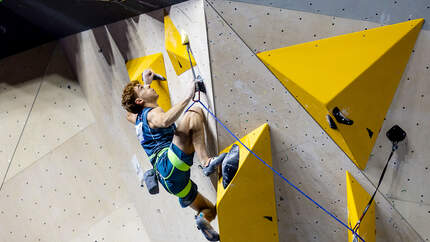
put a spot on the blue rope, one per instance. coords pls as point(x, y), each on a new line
point(190, 106)
point(277, 173)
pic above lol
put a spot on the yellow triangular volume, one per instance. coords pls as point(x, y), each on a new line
point(247, 208)
point(177, 52)
point(135, 67)
point(357, 73)
point(357, 199)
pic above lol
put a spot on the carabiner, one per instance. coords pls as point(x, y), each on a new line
point(197, 90)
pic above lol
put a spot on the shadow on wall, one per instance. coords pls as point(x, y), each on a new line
point(95, 75)
point(71, 44)
point(22, 68)
point(101, 36)
point(159, 15)
point(126, 37)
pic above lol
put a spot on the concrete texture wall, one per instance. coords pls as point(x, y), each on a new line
point(71, 176)
point(68, 150)
point(383, 11)
point(312, 161)
point(64, 181)
point(18, 89)
point(98, 58)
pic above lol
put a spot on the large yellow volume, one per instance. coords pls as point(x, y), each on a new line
point(357, 199)
point(136, 66)
point(356, 73)
point(247, 207)
point(175, 49)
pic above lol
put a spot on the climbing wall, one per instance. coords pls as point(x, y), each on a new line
point(51, 190)
point(383, 11)
point(71, 176)
point(68, 150)
point(301, 149)
point(99, 61)
point(25, 77)
point(342, 81)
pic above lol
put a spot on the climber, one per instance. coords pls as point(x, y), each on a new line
point(171, 148)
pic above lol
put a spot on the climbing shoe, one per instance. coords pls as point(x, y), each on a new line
point(206, 228)
point(230, 164)
point(331, 122)
point(214, 163)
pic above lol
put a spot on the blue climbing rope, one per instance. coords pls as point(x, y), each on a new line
point(276, 172)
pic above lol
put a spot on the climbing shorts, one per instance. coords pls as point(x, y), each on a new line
point(173, 167)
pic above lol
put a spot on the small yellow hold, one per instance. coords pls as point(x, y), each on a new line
point(357, 199)
point(177, 51)
point(184, 37)
point(155, 62)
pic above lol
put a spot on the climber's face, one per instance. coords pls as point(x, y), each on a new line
point(145, 94)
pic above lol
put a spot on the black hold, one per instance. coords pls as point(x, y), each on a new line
point(100, 50)
point(68, 86)
point(281, 198)
point(370, 132)
point(269, 218)
point(158, 77)
point(338, 115)
point(396, 134)
point(331, 122)
point(180, 64)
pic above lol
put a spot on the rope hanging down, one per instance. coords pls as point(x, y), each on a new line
point(395, 135)
point(277, 173)
point(357, 225)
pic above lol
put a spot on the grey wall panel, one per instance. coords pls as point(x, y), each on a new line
point(247, 95)
point(20, 79)
point(264, 28)
point(382, 11)
point(66, 179)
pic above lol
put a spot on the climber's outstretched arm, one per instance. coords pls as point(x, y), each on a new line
point(157, 118)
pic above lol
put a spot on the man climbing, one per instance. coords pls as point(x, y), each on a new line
point(171, 148)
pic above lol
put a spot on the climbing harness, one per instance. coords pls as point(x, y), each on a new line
point(276, 172)
point(177, 164)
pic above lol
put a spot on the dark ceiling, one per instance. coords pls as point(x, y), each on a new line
point(25, 24)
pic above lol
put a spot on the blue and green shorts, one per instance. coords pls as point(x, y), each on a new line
point(173, 166)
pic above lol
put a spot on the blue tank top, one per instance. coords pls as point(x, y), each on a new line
point(152, 140)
